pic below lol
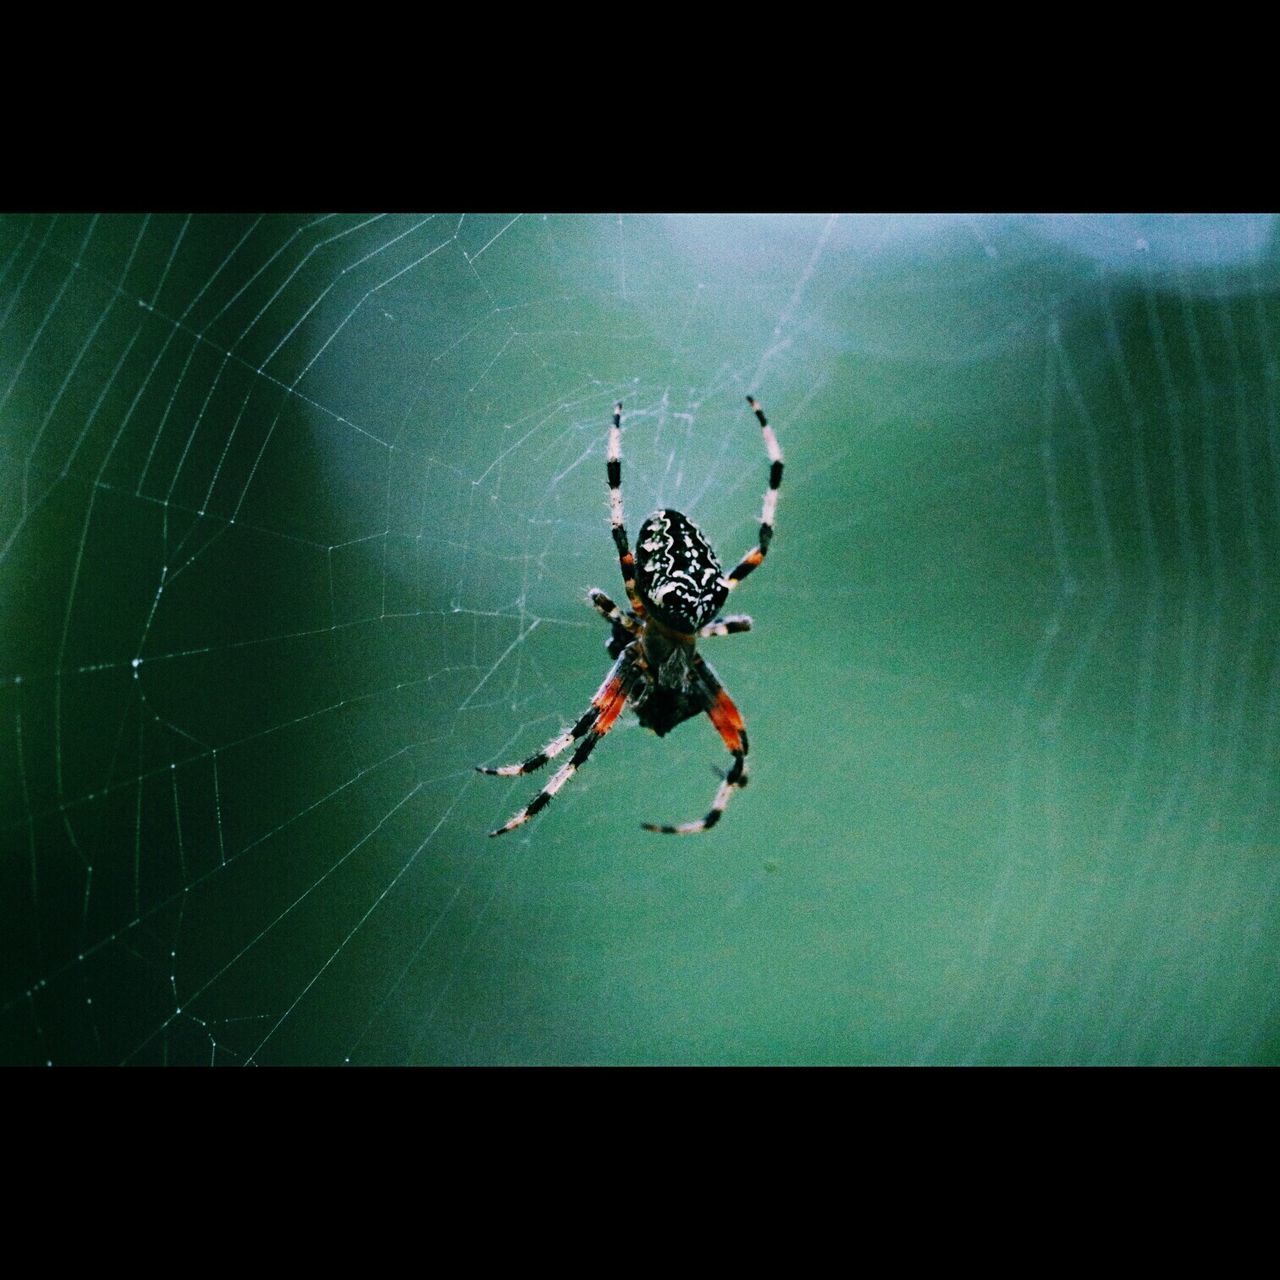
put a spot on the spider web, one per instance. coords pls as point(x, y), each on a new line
point(296, 523)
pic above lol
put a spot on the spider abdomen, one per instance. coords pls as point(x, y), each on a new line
point(662, 709)
point(677, 573)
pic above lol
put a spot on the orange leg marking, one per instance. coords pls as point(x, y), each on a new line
point(604, 722)
point(605, 694)
point(728, 721)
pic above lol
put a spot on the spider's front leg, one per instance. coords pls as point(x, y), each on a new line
point(728, 722)
point(755, 557)
point(626, 561)
point(599, 718)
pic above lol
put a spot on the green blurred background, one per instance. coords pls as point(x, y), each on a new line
point(297, 516)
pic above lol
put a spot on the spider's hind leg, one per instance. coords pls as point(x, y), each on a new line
point(620, 676)
point(728, 722)
point(606, 707)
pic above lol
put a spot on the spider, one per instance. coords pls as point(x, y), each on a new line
point(675, 590)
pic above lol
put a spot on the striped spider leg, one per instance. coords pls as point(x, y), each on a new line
point(730, 626)
point(626, 561)
point(591, 726)
point(728, 722)
point(755, 557)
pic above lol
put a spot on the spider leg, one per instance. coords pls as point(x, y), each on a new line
point(753, 559)
point(728, 722)
point(626, 560)
point(610, 611)
point(600, 721)
point(729, 626)
point(604, 695)
point(626, 626)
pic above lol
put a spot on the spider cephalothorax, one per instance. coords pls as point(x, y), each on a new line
point(675, 587)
